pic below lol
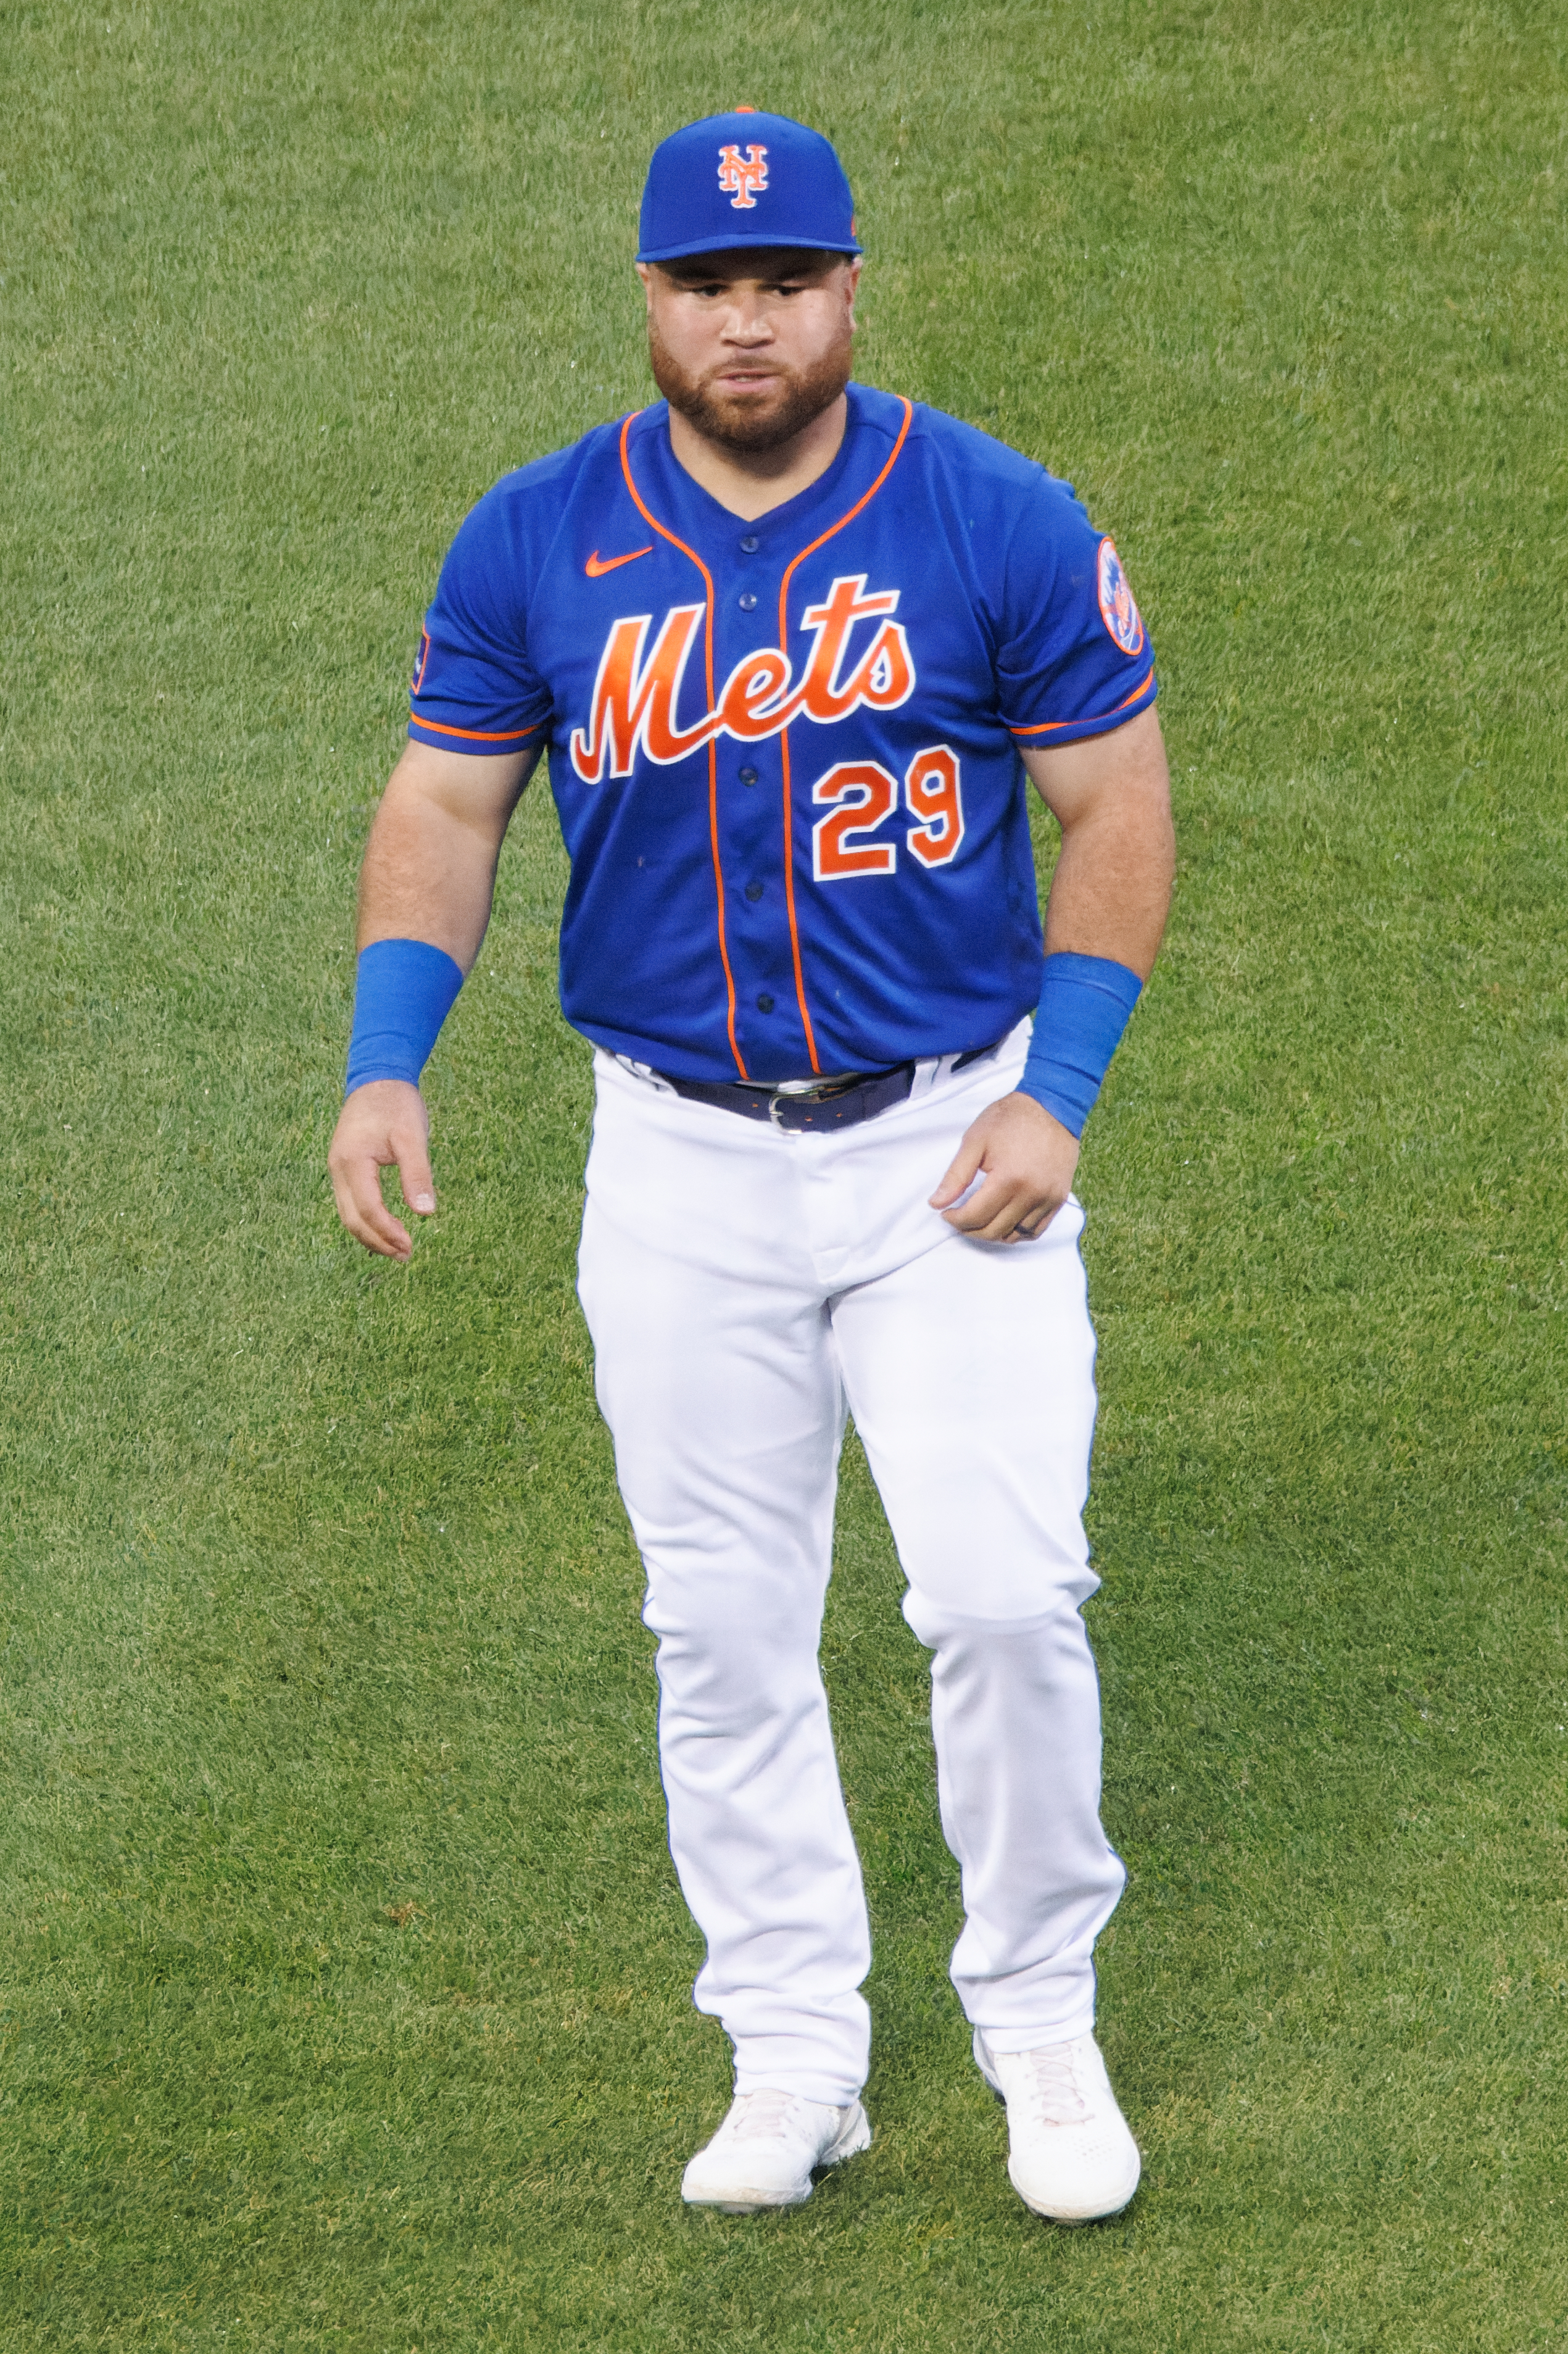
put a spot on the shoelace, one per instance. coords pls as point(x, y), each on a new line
point(1051, 2087)
point(758, 2116)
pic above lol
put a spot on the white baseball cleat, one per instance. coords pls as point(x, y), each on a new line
point(1071, 2155)
point(763, 2154)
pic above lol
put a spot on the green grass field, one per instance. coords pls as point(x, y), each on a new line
point(344, 1977)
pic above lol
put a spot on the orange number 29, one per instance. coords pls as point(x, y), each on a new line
point(863, 793)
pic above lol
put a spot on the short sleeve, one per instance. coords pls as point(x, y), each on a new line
point(1073, 656)
point(473, 689)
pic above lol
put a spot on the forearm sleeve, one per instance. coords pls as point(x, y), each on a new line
point(404, 991)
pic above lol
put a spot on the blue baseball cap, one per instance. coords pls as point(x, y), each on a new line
point(745, 178)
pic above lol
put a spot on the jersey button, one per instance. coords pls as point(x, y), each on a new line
point(750, 543)
point(765, 1004)
point(753, 890)
point(748, 602)
point(748, 776)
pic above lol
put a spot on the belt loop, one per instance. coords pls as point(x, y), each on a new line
point(928, 1074)
point(645, 1072)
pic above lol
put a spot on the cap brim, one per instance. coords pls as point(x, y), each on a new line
point(759, 239)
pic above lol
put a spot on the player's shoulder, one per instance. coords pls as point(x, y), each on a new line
point(990, 479)
point(977, 455)
point(546, 485)
point(502, 546)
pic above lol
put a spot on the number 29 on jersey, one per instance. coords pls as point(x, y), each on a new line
point(861, 794)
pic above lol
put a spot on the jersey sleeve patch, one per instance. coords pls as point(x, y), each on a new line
point(1073, 657)
point(1117, 610)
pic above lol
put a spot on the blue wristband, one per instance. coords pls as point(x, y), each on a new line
point(1084, 1007)
point(404, 992)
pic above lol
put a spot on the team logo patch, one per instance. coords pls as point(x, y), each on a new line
point(742, 176)
point(1118, 611)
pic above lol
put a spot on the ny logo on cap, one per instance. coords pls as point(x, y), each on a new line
point(739, 176)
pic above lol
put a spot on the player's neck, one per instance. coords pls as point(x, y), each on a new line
point(751, 483)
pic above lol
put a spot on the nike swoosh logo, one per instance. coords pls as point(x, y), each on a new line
point(597, 566)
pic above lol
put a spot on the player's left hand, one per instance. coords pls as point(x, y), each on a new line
point(1028, 1157)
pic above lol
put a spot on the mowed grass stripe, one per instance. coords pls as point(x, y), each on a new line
point(344, 1970)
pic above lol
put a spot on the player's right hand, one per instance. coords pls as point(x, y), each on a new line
point(383, 1125)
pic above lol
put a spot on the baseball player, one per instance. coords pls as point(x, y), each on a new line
point(793, 646)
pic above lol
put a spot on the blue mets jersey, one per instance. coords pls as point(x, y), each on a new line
point(785, 753)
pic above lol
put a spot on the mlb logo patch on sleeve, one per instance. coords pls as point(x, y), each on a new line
point(1117, 610)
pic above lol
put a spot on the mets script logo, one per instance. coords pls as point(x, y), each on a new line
point(636, 693)
point(741, 177)
point(1118, 611)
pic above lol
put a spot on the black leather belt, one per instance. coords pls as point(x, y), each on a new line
point(827, 1103)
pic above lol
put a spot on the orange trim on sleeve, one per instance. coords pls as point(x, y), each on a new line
point(654, 525)
point(475, 735)
point(1046, 726)
point(823, 537)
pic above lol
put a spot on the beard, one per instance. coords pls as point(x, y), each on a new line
point(785, 402)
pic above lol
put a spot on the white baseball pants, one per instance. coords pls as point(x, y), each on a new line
point(742, 1285)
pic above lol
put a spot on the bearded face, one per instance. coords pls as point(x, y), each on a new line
point(750, 361)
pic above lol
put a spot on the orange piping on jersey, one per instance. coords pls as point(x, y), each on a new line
point(475, 735)
point(864, 501)
point(790, 906)
point(1046, 726)
point(654, 525)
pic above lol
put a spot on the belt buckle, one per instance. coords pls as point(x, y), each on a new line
point(819, 1091)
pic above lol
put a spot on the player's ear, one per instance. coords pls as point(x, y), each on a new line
point(854, 286)
point(647, 277)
